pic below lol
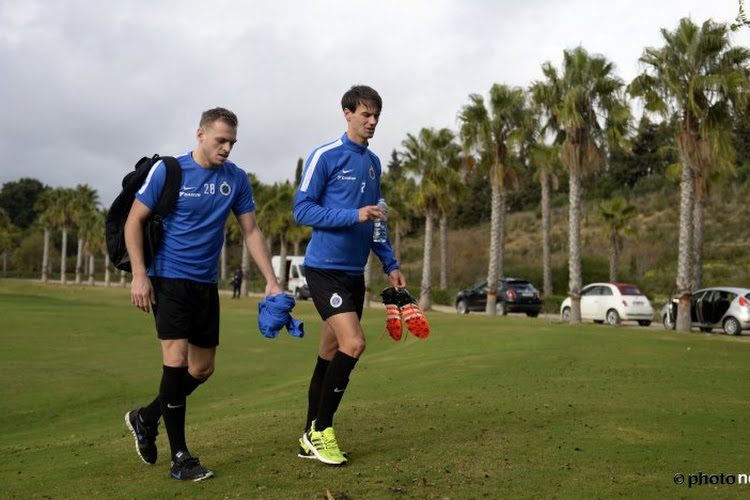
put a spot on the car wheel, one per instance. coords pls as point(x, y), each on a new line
point(565, 314)
point(732, 326)
point(667, 322)
point(462, 307)
point(706, 329)
point(532, 314)
point(500, 308)
point(644, 322)
point(613, 318)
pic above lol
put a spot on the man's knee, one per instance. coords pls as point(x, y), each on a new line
point(201, 372)
point(354, 347)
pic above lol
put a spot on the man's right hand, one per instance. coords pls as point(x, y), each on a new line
point(142, 293)
point(370, 213)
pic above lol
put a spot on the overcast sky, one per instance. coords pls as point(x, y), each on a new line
point(87, 86)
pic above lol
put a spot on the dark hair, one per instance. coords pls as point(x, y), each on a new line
point(361, 94)
point(216, 114)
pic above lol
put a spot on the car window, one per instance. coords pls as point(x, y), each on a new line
point(711, 296)
point(605, 290)
point(520, 286)
point(629, 290)
point(590, 291)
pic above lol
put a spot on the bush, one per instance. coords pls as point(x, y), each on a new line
point(444, 296)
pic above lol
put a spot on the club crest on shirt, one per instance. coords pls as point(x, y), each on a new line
point(372, 172)
point(336, 300)
point(225, 188)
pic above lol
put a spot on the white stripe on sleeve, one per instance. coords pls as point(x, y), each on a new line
point(314, 162)
point(148, 178)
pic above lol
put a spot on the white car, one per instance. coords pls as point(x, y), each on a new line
point(612, 302)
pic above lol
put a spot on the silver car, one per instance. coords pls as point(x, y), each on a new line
point(719, 307)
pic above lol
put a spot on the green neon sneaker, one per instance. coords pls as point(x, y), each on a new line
point(324, 446)
point(305, 452)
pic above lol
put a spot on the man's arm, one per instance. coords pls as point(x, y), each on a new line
point(256, 244)
point(141, 292)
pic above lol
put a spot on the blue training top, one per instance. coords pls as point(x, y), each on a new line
point(194, 229)
point(340, 178)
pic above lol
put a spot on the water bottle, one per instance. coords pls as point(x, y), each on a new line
point(380, 227)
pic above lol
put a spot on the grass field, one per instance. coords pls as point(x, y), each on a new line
point(498, 407)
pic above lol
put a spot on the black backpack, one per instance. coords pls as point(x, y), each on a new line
point(152, 229)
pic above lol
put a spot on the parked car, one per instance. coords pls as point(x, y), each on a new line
point(719, 307)
point(613, 303)
point(513, 295)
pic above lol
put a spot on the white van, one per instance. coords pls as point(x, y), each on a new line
point(296, 284)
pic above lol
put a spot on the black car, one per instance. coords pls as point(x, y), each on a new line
point(513, 295)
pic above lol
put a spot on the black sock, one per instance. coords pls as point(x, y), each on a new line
point(151, 413)
point(315, 390)
point(190, 383)
point(334, 384)
point(172, 398)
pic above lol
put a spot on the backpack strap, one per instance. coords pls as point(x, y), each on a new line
point(171, 189)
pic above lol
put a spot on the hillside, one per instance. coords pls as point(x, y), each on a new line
point(649, 256)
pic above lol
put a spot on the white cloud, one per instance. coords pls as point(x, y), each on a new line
point(88, 87)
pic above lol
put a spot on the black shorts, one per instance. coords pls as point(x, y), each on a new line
point(334, 292)
point(186, 309)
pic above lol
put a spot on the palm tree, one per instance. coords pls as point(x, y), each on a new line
point(545, 160)
point(429, 155)
point(398, 190)
point(47, 216)
point(57, 209)
point(489, 131)
point(576, 101)
point(616, 214)
point(91, 230)
point(696, 80)
point(85, 201)
point(276, 218)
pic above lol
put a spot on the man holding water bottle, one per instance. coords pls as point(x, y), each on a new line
point(339, 197)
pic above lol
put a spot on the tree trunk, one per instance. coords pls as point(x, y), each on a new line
point(685, 250)
point(368, 278)
point(397, 242)
point(501, 234)
point(284, 270)
point(492, 275)
point(698, 213)
point(245, 268)
point(107, 274)
point(224, 256)
point(614, 256)
point(425, 295)
point(443, 250)
point(45, 256)
point(91, 270)
point(122, 279)
point(269, 242)
point(546, 246)
point(63, 255)
point(575, 277)
point(79, 261)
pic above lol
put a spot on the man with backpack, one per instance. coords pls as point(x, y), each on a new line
point(181, 282)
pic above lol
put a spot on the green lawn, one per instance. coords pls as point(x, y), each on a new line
point(485, 408)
